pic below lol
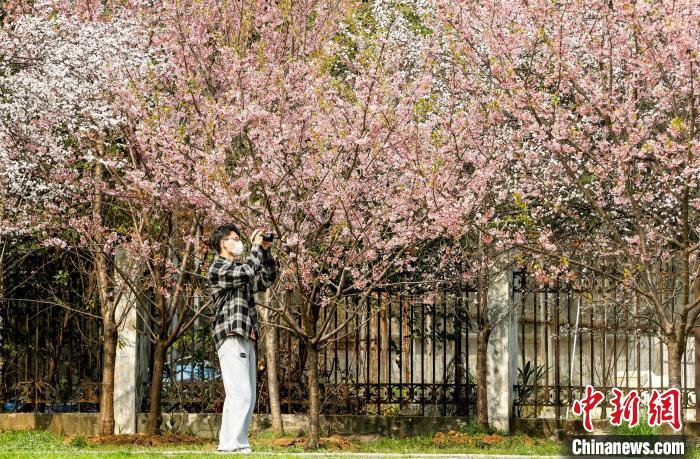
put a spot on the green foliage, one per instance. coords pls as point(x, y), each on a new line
point(423, 108)
point(515, 215)
point(78, 441)
point(61, 278)
point(34, 443)
point(471, 427)
point(360, 24)
point(515, 445)
point(415, 22)
point(30, 440)
point(527, 377)
point(530, 374)
point(677, 124)
point(643, 428)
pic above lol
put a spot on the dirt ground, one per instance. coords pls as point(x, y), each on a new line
point(145, 440)
point(458, 438)
point(334, 442)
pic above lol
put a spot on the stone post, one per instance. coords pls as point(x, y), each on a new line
point(127, 380)
point(502, 351)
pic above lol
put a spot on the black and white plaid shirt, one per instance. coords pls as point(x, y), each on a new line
point(233, 285)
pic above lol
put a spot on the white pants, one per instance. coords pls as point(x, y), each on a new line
point(239, 372)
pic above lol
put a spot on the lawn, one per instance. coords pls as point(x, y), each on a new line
point(44, 444)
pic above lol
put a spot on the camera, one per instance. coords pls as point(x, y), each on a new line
point(268, 237)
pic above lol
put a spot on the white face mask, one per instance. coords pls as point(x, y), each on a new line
point(238, 249)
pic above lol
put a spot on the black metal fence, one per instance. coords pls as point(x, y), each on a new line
point(570, 338)
point(50, 332)
point(50, 358)
point(399, 354)
point(402, 353)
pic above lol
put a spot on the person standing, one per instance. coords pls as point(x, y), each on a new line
point(234, 281)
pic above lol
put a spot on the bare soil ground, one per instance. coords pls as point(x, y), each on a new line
point(144, 440)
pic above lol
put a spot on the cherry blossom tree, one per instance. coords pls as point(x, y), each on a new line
point(59, 78)
point(321, 122)
point(138, 207)
point(597, 104)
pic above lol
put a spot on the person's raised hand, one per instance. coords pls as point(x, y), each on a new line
point(256, 237)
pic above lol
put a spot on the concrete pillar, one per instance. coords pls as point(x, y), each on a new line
point(127, 380)
point(502, 351)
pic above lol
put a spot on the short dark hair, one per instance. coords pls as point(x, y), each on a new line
point(220, 233)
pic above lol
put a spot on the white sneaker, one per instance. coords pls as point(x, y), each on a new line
point(235, 451)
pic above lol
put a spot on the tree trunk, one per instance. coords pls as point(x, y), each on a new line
point(273, 387)
point(482, 413)
point(109, 325)
point(107, 392)
point(675, 358)
point(155, 394)
point(314, 396)
point(482, 344)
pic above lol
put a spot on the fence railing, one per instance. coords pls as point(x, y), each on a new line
point(50, 358)
point(569, 339)
point(402, 353)
point(399, 354)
